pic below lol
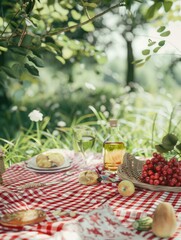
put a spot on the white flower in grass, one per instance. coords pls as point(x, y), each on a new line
point(101, 122)
point(106, 114)
point(35, 116)
point(56, 133)
point(61, 124)
point(90, 86)
point(14, 108)
point(30, 151)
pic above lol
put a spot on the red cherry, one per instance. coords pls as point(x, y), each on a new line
point(147, 179)
point(155, 154)
point(163, 183)
point(145, 167)
point(156, 182)
point(161, 178)
point(151, 181)
point(169, 171)
point(158, 168)
point(165, 167)
point(148, 161)
point(156, 176)
point(164, 173)
point(150, 172)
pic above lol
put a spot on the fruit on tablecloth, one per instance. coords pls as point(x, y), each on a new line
point(164, 220)
point(143, 224)
point(159, 171)
point(126, 188)
point(51, 159)
point(88, 177)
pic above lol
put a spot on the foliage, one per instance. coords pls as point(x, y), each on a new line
point(170, 145)
point(30, 142)
point(30, 27)
point(172, 14)
point(144, 119)
point(32, 30)
point(153, 46)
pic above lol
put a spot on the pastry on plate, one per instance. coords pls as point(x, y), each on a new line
point(88, 177)
point(23, 217)
point(49, 160)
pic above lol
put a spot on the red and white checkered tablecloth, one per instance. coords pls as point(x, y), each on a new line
point(72, 196)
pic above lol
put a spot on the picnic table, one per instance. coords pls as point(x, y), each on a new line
point(76, 211)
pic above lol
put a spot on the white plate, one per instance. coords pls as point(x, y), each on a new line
point(50, 171)
point(31, 163)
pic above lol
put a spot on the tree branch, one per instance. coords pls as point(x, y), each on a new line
point(85, 9)
point(22, 36)
point(9, 22)
point(67, 29)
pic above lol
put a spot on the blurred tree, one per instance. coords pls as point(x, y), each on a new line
point(30, 28)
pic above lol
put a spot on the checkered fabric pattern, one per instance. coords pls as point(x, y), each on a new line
point(70, 195)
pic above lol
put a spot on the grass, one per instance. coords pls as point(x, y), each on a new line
point(143, 119)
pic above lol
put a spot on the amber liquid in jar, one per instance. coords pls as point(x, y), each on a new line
point(113, 155)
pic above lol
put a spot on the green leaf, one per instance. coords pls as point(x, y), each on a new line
point(161, 29)
point(67, 53)
point(37, 61)
point(146, 52)
point(179, 147)
point(27, 41)
point(137, 61)
point(167, 5)
point(75, 45)
point(60, 59)
point(36, 41)
point(151, 43)
point(101, 58)
point(29, 7)
point(18, 50)
point(30, 23)
point(49, 47)
point(128, 3)
point(140, 64)
point(36, 53)
point(3, 43)
point(152, 10)
point(147, 58)
point(169, 139)
point(70, 24)
point(155, 50)
point(3, 49)
point(165, 34)
point(36, 16)
point(89, 27)
point(168, 147)
point(51, 2)
point(88, 3)
point(158, 5)
point(161, 149)
point(8, 71)
point(91, 5)
point(31, 69)
point(18, 69)
point(76, 15)
point(161, 43)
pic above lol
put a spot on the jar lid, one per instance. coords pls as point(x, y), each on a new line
point(113, 122)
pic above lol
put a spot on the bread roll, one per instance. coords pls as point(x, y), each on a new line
point(88, 177)
point(49, 160)
point(42, 161)
point(23, 217)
